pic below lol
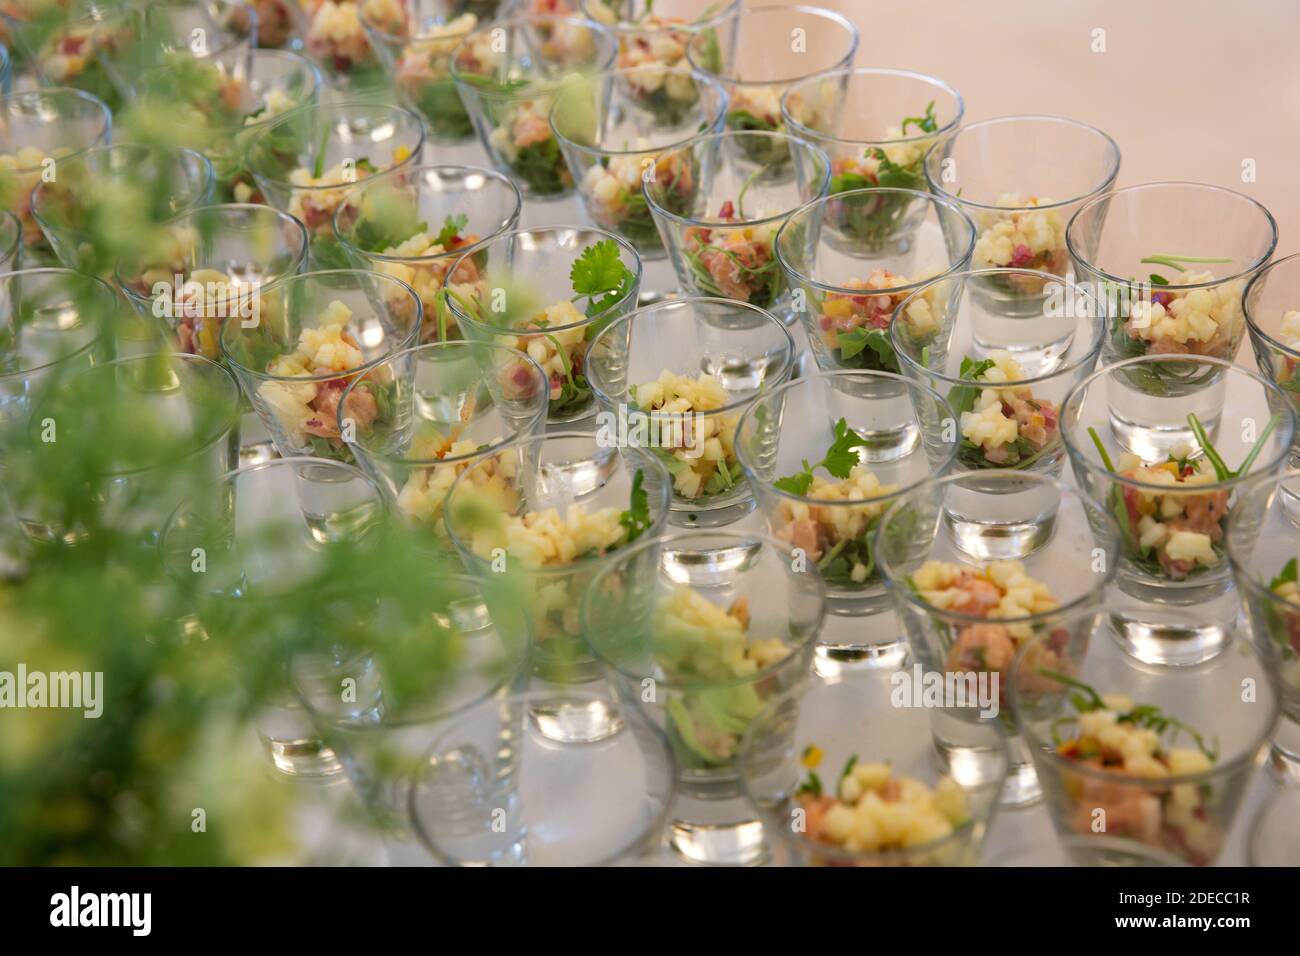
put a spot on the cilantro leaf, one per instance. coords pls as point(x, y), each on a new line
point(839, 461)
point(599, 274)
point(636, 519)
point(926, 123)
point(451, 228)
point(963, 397)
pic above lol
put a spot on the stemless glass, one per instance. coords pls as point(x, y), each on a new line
point(1020, 179)
point(1005, 376)
point(674, 378)
point(61, 47)
point(613, 142)
point(507, 73)
point(415, 223)
point(462, 400)
point(65, 207)
point(698, 630)
point(966, 619)
point(1272, 306)
point(524, 298)
point(335, 39)
point(311, 335)
point(876, 125)
point(893, 439)
point(552, 511)
point(1131, 430)
point(496, 790)
point(1160, 756)
point(1205, 242)
point(306, 161)
point(852, 258)
point(415, 51)
point(1263, 547)
point(655, 33)
point(775, 47)
point(39, 129)
point(719, 213)
point(904, 808)
point(264, 534)
point(224, 100)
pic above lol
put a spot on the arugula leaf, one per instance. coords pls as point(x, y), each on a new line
point(452, 227)
point(600, 275)
point(636, 519)
point(812, 785)
point(839, 461)
point(926, 123)
point(963, 397)
point(1287, 575)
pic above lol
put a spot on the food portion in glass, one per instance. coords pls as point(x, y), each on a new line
point(336, 40)
point(1272, 306)
point(508, 73)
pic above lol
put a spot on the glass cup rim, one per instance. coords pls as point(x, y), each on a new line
point(1217, 770)
point(534, 88)
point(101, 327)
point(1239, 563)
point(691, 222)
point(10, 253)
point(1073, 404)
point(1072, 242)
point(896, 856)
point(654, 825)
point(360, 188)
point(960, 265)
point(1094, 594)
point(255, 53)
point(340, 107)
point(368, 24)
point(1103, 187)
point(849, 72)
point(71, 93)
point(660, 540)
point(491, 448)
point(1251, 322)
point(408, 336)
point(658, 518)
point(696, 75)
point(727, 10)
point(623, 244)
point(1088, 358)
point(231, 420)
point(847, 374)
point(106, 16)
point(819, 13)
point(286, 220)
point(666, 305)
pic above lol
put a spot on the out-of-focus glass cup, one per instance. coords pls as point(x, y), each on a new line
point(415, 223)
point(308, 337)
point(91, 183)
point(507, 73)
point(463, 400)
point(306, 162)
point(656, 33)
point(674, 378)
point(851, 259)
point(1166, 445)
point(335, 38)
point(775, 47)
point(1005, 377)
point(1161, 756)
point(11, 241)
point(38, 129)
point(223, 101)
point(844, 776)
point(967, 617)
point(870, 437)
point(62, 46)
point(1020, 179)
point(699, 631)
point(1170, 261)
point(1272, 306)
point(496, 790)
point(719, 213)
point(613, 142)
point(524, 297)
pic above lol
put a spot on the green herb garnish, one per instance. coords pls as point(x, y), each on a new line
point(839, 461)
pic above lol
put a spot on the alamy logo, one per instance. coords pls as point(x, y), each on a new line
point(951, 690)
point(79, 690)
point(103, 909)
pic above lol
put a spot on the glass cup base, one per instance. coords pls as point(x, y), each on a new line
point(303, 757)
point(1284, 752)
point(717, 833)
point(994, 540)
point(1021, 788)
point(683, 517)
point(575, 720)
point(978, 765)
point(1164, 633)
point(852, 641)
point(1275, 838)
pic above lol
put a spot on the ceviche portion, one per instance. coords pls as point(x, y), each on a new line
point(734, 261)
point(616, 200)
point(336, 39)
point(1000, 593)
point(853, 321)
point(429, 257)
point(424, 493)
point(422, 72)
point(1284, 626)
point(1114, 735)
point(831, 527)
point(1023, 237)
point(274, 22)
point(556, 337)
point(870, 809)
point(698, 641)
point(308, 411)
point(20, 171)
point(1003, 425)
point(1172, 530)
point(703, 462)
point(1204, 321)
point(1289, 336)
point(69, 55)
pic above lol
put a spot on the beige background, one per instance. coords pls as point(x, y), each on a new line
point(1188, 88)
